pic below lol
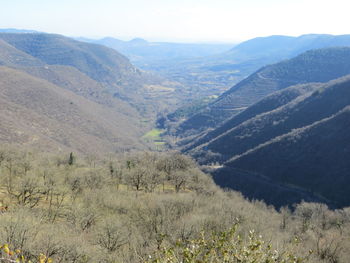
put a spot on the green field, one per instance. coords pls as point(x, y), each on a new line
point(154, 136)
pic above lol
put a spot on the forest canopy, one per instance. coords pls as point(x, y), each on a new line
point(150, 207)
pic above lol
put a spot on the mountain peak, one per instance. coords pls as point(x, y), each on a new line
point(15, 30)
point(139, 41)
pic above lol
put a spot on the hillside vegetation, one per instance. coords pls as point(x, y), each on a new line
point(36, 113)
point(148, 207)
point(299, 112)
point(319, 65)
point(313, 169)
point(75, 95)
point(300, 145)
point(113, 71)
point(267, 104)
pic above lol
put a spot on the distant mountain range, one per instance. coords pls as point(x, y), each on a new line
point(206, 69)
point(250, 55)
point(143, 53)
point(211, 69)
point(318, 65)
point(275, 48)
point(62, 93)
point(15, 30)
point(175, 61)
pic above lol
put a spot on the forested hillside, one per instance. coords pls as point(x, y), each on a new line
point(148, 207)
point(267, 104)
point(312, 66)
point(302, 144)
point(111, 70)
point(74, 95)
point(312, 159)
point(319, 103)
point(36, 113)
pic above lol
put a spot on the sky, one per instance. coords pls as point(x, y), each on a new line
point(178, 20)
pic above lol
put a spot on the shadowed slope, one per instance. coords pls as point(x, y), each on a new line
point(267, 104)
point(310, 163)
point(313, 66)
point(301, 148)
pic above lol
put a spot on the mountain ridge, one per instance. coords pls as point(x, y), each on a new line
point(64, 117)
point(319, 65)
point(303, 143)
point(92, 74)
point(320, 183)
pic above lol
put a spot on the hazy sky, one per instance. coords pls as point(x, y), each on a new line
point(178, 20)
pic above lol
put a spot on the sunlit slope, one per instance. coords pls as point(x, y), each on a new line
point(36, 112)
